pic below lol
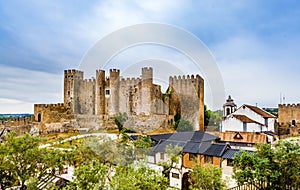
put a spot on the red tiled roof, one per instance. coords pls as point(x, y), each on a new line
point(260, 111)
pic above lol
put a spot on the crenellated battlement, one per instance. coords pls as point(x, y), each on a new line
point(48, 105)
point(100, 72)
point(114, 70)
point(88, 81)
point(17, 121)
point(283, 106)
point(72, 73)
point(147, 69)
point(130, 81)
point(184, 78)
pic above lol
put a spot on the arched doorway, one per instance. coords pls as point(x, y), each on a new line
point(39, 117)
point(185, 181)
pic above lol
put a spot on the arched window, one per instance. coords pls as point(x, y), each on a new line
point(39, 117)
point(227, 111)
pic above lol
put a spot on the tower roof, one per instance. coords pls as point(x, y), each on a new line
point(230, 102)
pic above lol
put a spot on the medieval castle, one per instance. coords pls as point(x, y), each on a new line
point(94, 102)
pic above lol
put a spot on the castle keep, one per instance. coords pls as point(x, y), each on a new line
point(94, 102)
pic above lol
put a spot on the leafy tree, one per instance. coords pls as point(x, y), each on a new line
point(174, 155)
point(276, 168)
point(183, 125)
point(111, 151)
point(7, 177)
point(206, 177)
point(140, 177)
point(91, 176)
point(207, 115)
point(83, 153)
point(212, 118)
point(143, 142)
point(120, 119)
point(23, 160)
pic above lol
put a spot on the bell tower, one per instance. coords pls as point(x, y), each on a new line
point(229, 107)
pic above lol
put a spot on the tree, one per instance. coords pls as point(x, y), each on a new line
point(206, 177)
point(212, 118)
point(174, 155)
point(183, 125)
point(207, 115)
point(143, 142)
point(137, 177)
point(120, 119)
point(23, 160)
point(270, 168)
point(92, 175)
point(7, 177)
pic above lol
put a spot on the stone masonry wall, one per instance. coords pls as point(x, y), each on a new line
point(287, 113)
point(190, 92)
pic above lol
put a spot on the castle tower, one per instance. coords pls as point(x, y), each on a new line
point(147, 84)
point(229, 107)
point(200, 93)
point(70, 79)
point(190, 92)
point(113, 92)
point(100, 92)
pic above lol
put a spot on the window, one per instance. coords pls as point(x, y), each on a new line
point(175, 175)
point(244, 126)
point(39, 117)
point(227, 111)
point(162, 156)
point(192, 156)
point(107, 92)
point(229, 162)
point(68, 93)
point(266, 122)
point(208, 159)
point(294, 122)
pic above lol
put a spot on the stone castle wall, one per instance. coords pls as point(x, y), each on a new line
point(84, 97)
point(190, 92)
point(107, 96)
point(287, 113)
point(17, 121)
point(51, 113)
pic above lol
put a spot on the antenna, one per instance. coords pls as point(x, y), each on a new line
point(280, 100)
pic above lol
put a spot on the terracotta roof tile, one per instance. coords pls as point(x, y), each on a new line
point(260, 111)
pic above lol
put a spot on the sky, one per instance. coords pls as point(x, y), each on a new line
point(254, 43)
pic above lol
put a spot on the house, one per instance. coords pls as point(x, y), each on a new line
point(246, 118)
point(197, 147)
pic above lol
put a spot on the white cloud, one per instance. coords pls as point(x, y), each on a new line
point(15, 106)
point(255, 52)
point(257, 72)
point(30, 86)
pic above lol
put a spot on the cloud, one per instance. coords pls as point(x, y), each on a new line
point(258, 72)
point(14, 106)
point(30, 86)
point(254, 42)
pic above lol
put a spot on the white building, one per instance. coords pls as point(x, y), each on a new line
point(246, 118)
